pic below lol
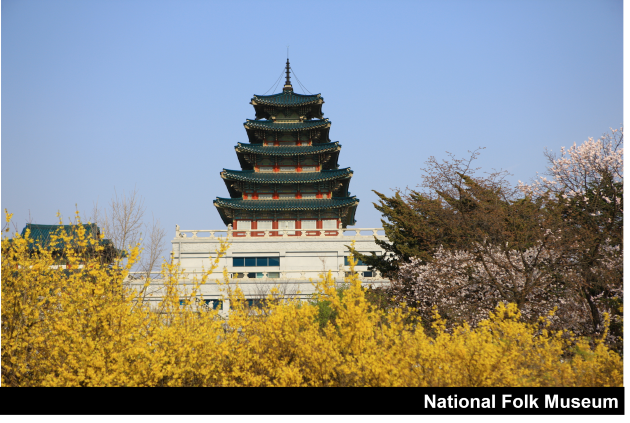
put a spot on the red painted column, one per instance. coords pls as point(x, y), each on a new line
point(235, 227)
point(254, 226)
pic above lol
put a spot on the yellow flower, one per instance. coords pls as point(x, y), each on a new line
point(84, 327)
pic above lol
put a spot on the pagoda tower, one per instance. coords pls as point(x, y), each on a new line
point(289, 177)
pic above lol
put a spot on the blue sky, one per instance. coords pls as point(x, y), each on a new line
point(104, 95)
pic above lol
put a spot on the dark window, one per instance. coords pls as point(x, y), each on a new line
point(214, 304)
point(242, 275)
point(347, 262)
point(256, 275)
point(255, 303)
point(255, 261)
point(261, 261)
point(368, 274)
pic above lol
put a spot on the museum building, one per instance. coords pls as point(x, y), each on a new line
point(289, 206)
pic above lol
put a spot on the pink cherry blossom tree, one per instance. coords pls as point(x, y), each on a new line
point(555, 246)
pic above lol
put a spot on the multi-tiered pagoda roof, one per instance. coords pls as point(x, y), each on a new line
point(260, 131)
point(309, 106)
point(289, 172)
point(248, 153)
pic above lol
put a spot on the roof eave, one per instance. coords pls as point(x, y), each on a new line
point(258, 179)
point(255, 205)
point(270, 151)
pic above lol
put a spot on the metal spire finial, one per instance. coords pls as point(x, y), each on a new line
point(287, 84)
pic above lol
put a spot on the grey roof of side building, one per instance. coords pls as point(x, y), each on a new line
point(51, 237)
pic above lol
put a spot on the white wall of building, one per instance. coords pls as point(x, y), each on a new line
point(302, 260)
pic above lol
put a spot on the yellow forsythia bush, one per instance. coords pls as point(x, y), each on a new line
point(80, 326)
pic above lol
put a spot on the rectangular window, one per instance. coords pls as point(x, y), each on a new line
point(287, 169)
point(330, 223)
point(359, 262)
point(214, 304)
point(309, 224)
point(265, 169)
point(257, 303)
point(255, 262)
point(265, 225)
point(287, 224)
point(286, 196)
point(309, 195)
point(243, 225)
point(309, 168)
point(265, 196)
point(244, 275)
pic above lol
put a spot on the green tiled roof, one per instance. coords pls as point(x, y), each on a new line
point(286, 178)
point(270, 125)
point(287, 151)
point(286, 205)
point(41, 236)
point(287, 98)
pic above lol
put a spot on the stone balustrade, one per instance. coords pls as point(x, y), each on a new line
point(304, 275)
point(349, 234)
point(270, 276)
